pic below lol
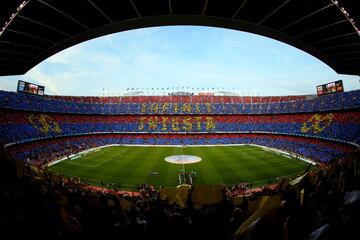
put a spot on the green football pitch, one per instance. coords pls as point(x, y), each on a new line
point(127, 166)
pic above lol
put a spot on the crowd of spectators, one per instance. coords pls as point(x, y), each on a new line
point(26, 126)
point(321, 204)
point(181, 98)
point(42, 152)
point(182, 105)
point(325, 204)
point(16, 126)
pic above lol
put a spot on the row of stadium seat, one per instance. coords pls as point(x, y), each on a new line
point(182, 99)
point(322, 202)
point(20, 101)
point(39, 153)
point(16, 126)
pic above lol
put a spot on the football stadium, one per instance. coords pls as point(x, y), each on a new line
point(185, 162)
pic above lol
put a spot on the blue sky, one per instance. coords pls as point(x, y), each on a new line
point(181, 56)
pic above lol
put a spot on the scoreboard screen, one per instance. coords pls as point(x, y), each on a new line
point(31, 88)
point(332, 87)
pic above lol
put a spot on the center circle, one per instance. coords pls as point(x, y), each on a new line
point(183, 159)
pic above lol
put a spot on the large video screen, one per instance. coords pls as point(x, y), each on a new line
point(332, 87)
point(31, 88)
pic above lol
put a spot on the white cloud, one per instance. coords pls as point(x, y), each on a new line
point(9, 83)
point(51, 85)
point(66, 56)
point(182, 56)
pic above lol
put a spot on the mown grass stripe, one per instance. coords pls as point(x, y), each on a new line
point(130, 165)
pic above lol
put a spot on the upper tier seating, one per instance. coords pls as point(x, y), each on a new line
point(179, 104)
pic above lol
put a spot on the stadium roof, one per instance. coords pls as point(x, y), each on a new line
point(40, 28)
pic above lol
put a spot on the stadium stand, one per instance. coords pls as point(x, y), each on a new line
point(323, 203)
point(40, 153)
point(136, 105)
point(29, 122)
point(37, 130)
point(17, 126)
